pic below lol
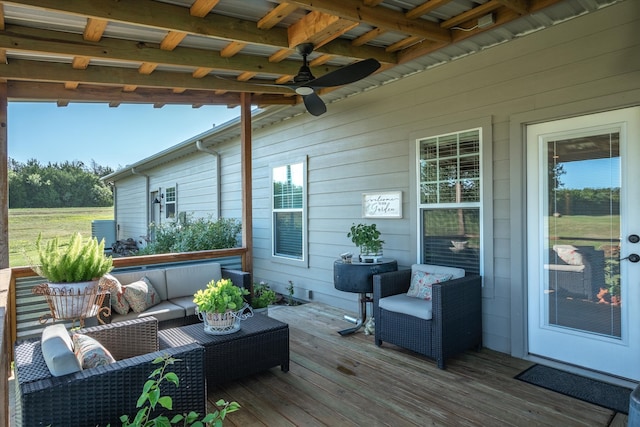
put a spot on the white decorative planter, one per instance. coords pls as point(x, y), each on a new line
point(73, 300)
point(224, 323)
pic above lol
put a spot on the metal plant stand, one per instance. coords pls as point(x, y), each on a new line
point(357, 277)
point(74, 305)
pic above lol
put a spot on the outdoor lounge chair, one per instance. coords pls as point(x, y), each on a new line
point(100, 395)
point(450, 323)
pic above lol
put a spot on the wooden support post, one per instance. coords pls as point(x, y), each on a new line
point(246, 170)
point(4, 180)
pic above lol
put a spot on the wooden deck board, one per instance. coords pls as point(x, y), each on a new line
point(348, 381)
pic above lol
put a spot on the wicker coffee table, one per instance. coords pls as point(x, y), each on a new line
point(260, 344)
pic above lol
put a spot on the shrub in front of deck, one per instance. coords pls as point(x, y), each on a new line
point(191, 235)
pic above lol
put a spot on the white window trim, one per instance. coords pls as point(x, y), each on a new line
point(486, 192)
point(304, 261)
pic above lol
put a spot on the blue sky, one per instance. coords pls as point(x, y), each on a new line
point(596, 173)
point(110, 136)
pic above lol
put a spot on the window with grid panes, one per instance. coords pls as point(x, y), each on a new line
point(288, 211)
point(449, 199)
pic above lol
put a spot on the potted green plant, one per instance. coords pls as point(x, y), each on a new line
point(72, 271)
point(367, 238)
point(263, 296)
point(221, 306)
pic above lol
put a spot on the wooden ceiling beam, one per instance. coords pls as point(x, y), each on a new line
point(318, 28)
point(23, 70)
point(474, 13)
point(94, 29)
point(168, 17)
point(46, 91)
point(424, 8)
point(201, 8)
point(388, 19)
point(368, 36)
point(232, 49)
point(66, 44)
point(172, 40)
point(276, 15)
point(519, 6)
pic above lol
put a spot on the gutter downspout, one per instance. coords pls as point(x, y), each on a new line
point(200, 147)
point(146, 198)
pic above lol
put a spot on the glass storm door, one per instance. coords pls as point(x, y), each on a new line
point(583, 228)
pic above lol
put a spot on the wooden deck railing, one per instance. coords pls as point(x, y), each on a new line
point(8, 315)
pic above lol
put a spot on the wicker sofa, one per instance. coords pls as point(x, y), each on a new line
point(453, 325)
point(99, 396)
point(175, 286)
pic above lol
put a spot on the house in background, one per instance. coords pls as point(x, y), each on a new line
point(480, 149)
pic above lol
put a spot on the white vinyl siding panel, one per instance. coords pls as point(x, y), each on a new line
point(194, 177)
point(131, 215)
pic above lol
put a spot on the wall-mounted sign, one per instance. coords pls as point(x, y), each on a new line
point(382, 205)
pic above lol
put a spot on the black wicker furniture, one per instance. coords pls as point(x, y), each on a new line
point(260, 344)
point(99, 396)
point(454, 326)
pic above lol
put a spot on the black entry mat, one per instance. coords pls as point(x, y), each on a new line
point(597, 392)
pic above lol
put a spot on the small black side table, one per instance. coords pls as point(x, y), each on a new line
point(357, 277)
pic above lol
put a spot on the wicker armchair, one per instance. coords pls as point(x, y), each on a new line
point(99, 396)
point(455, 324)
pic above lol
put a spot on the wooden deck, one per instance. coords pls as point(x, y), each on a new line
point(348, 381)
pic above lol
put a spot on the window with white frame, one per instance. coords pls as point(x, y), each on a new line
point(170, 202)
point(450, 210)
point(289, 211)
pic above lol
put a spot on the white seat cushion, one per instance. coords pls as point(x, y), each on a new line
point(456, 273)
point(401, 303)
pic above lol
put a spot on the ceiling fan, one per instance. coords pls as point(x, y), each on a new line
point(305, 84)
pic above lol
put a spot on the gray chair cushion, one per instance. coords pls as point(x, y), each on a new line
point(401, 303)
point(57, 350)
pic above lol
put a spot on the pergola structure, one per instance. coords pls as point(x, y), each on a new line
point(226, 52)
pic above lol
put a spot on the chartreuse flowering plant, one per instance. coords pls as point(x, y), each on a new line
point(220, 297)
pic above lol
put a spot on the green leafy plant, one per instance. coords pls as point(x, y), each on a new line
point(219, 297)
point(291, 290)
point(78, 261)
point(366, 237)
point(262, 295)
point(187, 235)
point(151, 397)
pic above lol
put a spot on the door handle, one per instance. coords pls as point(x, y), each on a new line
point(632, 258)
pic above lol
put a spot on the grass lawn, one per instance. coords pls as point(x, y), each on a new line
point(581, 229)
point(26, 224)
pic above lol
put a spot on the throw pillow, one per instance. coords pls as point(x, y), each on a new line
point(90, 352)
point(141, 295)
point(118, 301)
point(569, 254)
point(421, 282)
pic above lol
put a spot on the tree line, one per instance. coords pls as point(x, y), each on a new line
point(54, 185)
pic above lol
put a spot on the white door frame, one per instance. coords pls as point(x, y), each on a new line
point(625, 352)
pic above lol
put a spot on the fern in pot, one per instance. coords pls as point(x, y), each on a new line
point(73, 273)
point(221, 306)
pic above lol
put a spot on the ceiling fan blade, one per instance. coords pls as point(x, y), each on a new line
point(345, 75)
point(314, 104)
